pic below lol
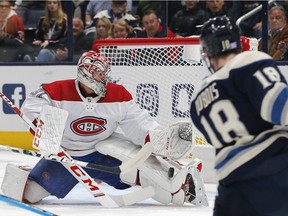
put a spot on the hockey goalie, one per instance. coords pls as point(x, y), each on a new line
point(96, 109)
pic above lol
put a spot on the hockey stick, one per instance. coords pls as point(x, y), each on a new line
point(86, 180)
point(114, 170)
point(25, 206)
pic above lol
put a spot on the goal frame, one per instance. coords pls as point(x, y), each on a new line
point(185, 75)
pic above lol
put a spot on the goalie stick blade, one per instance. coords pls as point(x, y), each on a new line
point(25, 206)
point(139, 195)
point(135, 196)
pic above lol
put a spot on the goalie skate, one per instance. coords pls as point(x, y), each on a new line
point(194, 185)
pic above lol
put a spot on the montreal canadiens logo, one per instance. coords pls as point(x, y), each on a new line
point(88, 125)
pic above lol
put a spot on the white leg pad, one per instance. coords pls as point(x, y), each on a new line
point(179, 198)
point(167, 190)
point(161, 195)
point(201, 197)
point(119, 147)
point(34, 192)
point(14, 181)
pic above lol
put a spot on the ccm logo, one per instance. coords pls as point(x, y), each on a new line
point(88, 125)
point(82, 176)
point(38, 134)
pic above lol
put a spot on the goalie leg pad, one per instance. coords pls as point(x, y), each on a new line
point(34, 192)
point(117, 146)
point(14, 181)
point(199, 198)
point(161, 195)
point(185, 186)
point(167, 190)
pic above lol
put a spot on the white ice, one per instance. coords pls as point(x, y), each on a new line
point(80, 202)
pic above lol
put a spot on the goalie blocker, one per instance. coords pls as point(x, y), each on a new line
point(186, 184)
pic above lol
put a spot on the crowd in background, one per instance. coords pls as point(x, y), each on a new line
point(39, 29)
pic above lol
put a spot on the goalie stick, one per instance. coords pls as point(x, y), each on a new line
point(25, 206)
point(86, 180)
point(127, 166)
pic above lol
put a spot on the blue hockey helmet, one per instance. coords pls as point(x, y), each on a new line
point(219, 35)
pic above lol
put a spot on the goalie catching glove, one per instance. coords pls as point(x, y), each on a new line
point(173, 142)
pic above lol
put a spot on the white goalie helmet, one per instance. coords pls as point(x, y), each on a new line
point(93, 70)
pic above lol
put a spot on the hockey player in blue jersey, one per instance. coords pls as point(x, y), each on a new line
point(242, 110)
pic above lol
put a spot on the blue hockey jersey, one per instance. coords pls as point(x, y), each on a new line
point(242, 110)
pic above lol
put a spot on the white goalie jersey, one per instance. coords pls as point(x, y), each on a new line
point(91, 120)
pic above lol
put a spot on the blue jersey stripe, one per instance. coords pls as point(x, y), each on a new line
point(278, 106)
point(236, 151)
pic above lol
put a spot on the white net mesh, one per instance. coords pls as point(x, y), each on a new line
point(161, 74)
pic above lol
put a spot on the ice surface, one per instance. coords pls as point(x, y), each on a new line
point(79, 202)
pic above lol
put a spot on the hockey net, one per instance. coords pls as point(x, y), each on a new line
point(161, 74)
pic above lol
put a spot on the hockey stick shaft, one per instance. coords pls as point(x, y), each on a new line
point(87, 181)
point(25, 206)
point(52, 157)
point(17, 111)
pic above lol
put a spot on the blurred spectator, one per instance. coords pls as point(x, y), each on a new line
point(11, 32)
point(187, 21)
point(252, 26)
point(26, 9)
point(217, 8)
point(80, 8)
point(103, 29)
point(82, 40)
point(118, 11)
point(50, 36)
point(121, 29)
point(152, 27)
point(278, 34)
point(283, 3)
point(144, 5)
point(173, 7)
point(95, 6)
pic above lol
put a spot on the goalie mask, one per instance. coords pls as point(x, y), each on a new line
point(219, 35)
point(93, 70)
